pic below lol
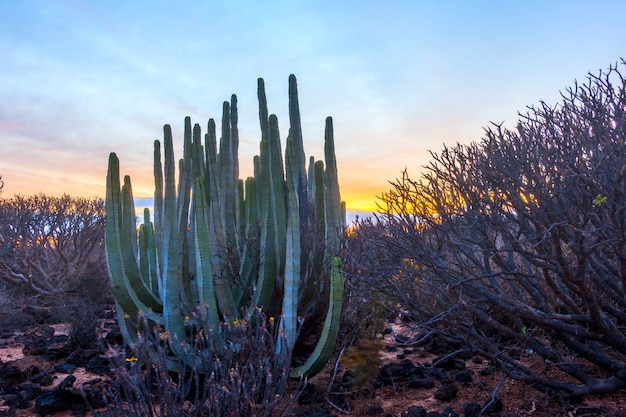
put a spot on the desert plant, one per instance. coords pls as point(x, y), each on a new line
point(514, 247)
point(48, 243)
point(247, 378)
point(220, 247)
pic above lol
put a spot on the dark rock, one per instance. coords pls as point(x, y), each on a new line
point(414, 411)
point(440, 374)
point(55, 400)
point(449, 364)
point(98, 366)
point(60, 398)
point(433, 414)
point(464, 377)
point(402, 371)
point(426, 382)
point(93, 381)
point(9, 372)
point(471, 410)
point(42, 378)
point(44, 331)
point(374, 410)
point(30, 389)
point(17, 400)
point(448, 412)
point(35, 343)
point(438, 346)
point(446, 392)
point(58, 348)
point(81, 357)
point(68, 382)
point(65, 368)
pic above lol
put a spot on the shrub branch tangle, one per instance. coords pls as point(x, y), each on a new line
point(48, 243)
point(515, 247)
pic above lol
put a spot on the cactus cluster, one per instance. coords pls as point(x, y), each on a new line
point(219, 246)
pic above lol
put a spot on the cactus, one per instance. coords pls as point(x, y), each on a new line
point(219, 246)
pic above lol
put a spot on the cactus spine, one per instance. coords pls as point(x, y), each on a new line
point(219, 245)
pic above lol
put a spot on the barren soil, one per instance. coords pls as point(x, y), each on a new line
point(402, 382)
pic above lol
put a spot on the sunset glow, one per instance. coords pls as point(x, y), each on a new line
point(82, 79)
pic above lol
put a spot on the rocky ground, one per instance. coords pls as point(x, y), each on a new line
point(49, 366)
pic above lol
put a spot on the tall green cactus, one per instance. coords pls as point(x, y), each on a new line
point(219, 245)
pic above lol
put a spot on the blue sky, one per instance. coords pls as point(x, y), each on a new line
point(80, 79)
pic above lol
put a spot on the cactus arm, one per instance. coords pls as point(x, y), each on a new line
point(123, 298)
point(326, 344)
point(289, 321)
point(150, 250)
point(144, 265)
point(158, 208)
point(311, 182)
point(183, 202)
point(267, 248)
point(295, 131)
point(332, 199)
point(128, 304)
point(319, 195)
point(278, 200)
point(227, 184)
point(172, 317)
point(274, 221)
point(204, 277)
point(146, 300)
point(248, 256)
point(217, 237)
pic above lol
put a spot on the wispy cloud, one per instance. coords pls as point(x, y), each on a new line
point(82, 79)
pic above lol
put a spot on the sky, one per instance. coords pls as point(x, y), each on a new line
point(81, 79)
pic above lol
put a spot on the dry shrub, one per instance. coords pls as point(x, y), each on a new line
point(515, 247)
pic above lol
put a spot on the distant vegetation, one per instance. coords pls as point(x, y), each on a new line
point(514, 247)
point(50, 245)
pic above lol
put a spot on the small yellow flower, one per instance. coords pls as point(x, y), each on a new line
point(163, 336)
point(131, 359)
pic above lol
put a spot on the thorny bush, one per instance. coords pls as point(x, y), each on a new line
point(514, 247)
